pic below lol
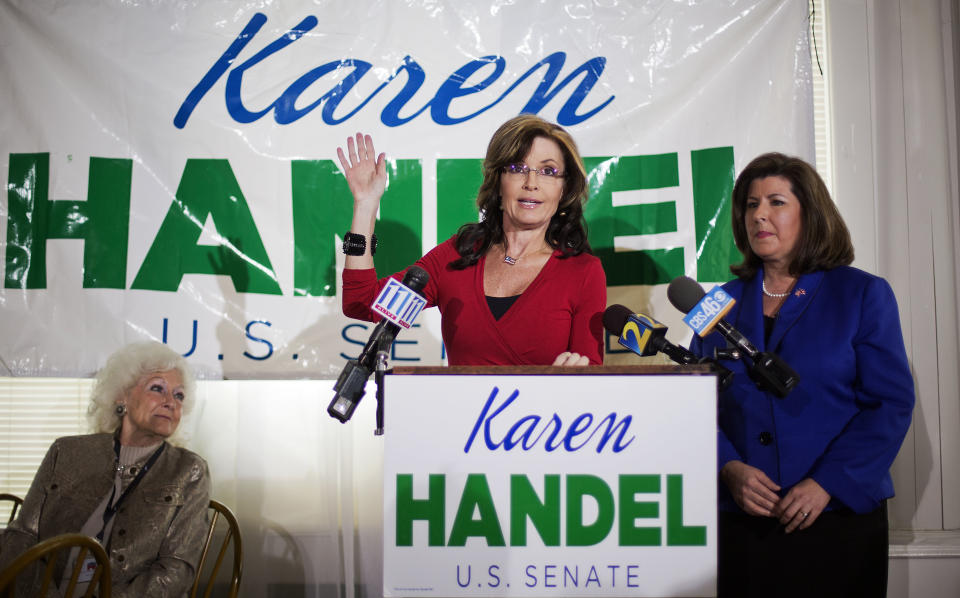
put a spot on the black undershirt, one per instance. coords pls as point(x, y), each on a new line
point(768, 322)
point(499, 305)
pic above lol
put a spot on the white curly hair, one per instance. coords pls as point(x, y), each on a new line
point(122, 371)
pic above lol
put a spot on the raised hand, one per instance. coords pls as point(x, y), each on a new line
point(367, 178)
point(365, 171)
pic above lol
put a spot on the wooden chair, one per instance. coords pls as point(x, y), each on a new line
point(45, 555)
point(15, 500)
point(232, 536)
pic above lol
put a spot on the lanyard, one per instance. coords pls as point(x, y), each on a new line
point(113, 507)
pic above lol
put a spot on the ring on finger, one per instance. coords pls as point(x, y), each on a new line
point(804, 515)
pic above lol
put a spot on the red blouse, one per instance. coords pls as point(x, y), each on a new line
point(561, 310)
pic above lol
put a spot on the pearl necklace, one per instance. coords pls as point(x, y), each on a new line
point(763, 285)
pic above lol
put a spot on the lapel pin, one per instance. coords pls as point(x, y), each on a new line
point(800, 292)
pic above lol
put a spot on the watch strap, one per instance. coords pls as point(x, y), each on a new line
point(356, 244)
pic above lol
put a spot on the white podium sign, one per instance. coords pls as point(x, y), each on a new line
point(536, 485)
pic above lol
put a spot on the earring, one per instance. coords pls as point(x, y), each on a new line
point(563, 213)
point(120, 409)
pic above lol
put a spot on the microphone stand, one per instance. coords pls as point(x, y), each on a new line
point(351, 384)
point(724, 375)
point(378, 373)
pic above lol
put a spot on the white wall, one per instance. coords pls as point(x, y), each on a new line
point(893, 96)
point(306, 489)
point(894, 181)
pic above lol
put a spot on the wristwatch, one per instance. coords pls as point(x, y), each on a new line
point(354, 244)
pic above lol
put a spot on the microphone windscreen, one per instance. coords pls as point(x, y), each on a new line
point(684, 293)
point(615, 318)
point(416, 278)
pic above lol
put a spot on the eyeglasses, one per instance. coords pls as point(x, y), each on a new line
point(548, 172)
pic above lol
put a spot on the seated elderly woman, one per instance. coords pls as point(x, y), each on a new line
point(142, 498)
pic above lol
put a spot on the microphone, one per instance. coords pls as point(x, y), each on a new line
point(642, 334)
point(645, 336)
point(399, 303)
point(705, 312)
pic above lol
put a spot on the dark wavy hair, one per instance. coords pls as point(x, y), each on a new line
point(824, 241)
point(511, 143)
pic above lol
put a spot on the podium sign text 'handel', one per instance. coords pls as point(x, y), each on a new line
point(573, 485)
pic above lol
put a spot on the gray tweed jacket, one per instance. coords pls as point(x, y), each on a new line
point(159, 529)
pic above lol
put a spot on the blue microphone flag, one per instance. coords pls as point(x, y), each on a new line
point(399, 303)
point(711, 308)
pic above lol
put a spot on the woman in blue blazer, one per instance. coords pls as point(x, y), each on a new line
point(805, 478)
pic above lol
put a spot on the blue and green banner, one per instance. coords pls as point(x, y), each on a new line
point(171, 169)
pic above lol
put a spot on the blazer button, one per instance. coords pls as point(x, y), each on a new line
point(765, 438)
point(54, 486)
point(121, 532)
point(167, 498)
point(119, 558)
point(133, 471)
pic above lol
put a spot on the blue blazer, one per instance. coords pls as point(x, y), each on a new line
point(843, 424)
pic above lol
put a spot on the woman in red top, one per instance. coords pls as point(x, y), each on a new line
point(520, 287)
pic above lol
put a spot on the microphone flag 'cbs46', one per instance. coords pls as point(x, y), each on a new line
point(399, 303)
point(705, 312)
